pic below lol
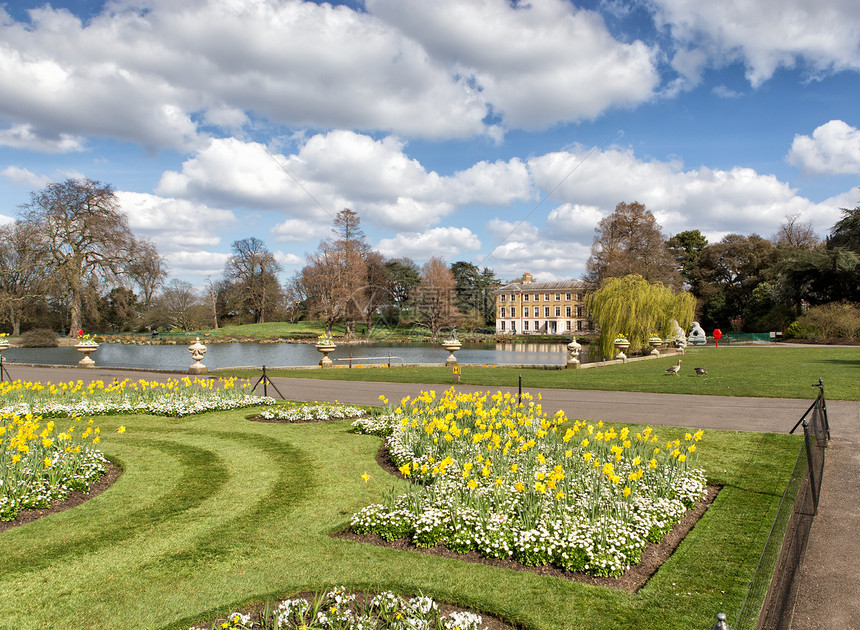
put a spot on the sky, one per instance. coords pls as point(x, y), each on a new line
point(497, 132)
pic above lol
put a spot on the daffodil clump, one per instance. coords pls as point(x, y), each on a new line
point(299, 412)
point(339, 610)
point(42, 461)
point(174, 397)
point(503, 478)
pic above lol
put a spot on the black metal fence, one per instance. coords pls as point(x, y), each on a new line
point(774, 581)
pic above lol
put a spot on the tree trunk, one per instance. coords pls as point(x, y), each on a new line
point(75, 313)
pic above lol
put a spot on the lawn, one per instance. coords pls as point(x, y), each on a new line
point(213, 512)
point(768, 371)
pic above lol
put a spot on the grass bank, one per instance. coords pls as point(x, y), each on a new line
point(766, 371)
point(213, 512)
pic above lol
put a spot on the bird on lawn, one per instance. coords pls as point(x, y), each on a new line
point(701, 371)
point(674, 369)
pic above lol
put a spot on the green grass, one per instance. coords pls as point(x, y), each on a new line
point(214, 512)
point(769, 372)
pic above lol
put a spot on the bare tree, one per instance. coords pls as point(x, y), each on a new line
point(178, 306)
point(796, 234)
point(437, 296)
point(23, 277)
point(147, 270)
point(83, 234)
point(629, 241)
point(253, 268)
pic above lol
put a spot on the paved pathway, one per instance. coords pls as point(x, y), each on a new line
point(829, 593)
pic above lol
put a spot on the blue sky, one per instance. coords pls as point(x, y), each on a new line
point(483, 130)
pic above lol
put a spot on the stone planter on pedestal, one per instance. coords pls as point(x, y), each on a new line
point(451, 345)
point(87, 349)
point(573, 349)
point(197, 350)
point(655, 343)
point(621, 344)
point(326, 349)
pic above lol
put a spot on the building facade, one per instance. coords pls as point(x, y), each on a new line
point(527, 307)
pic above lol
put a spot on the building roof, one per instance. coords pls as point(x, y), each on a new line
point(538, 287)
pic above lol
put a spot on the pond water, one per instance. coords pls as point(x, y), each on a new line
point(223, 355)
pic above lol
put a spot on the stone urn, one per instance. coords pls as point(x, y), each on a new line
point(197, 350)
point(451, 345)
point(655, 343)
point(326, 347)
point(87, 348)
point(621, 344)
point(574, 349)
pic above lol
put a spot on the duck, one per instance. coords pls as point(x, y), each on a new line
point(701, 371)
point(674, 369)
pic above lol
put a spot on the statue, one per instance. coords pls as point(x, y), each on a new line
point(454, 333)
point(697, 335)
point(677, 337)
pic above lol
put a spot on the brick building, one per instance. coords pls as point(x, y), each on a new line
point(527, 307)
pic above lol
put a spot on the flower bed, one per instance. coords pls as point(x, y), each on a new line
point(315, 412)
point(339, 610)
point(41, 461)
point(175, 397)
point(508, 481)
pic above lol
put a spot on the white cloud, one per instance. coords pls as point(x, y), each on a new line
point(152, 73)
point(175, 225)
point(764, 35)
point(196, 263)
point(25, 177)
point(446, 242)
point(711, 200)
point(299, 231)
point(536, 63)
point(24, 136)
point(342, 169)
point(833, 148)
point(288, 260)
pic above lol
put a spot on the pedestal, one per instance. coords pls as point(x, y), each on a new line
point(87, 351)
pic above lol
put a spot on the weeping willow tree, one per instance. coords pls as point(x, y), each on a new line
point(632, 307)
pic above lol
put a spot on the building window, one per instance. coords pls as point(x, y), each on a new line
point(537, 298)
point(546, 297)
point(579, 311)
point(525, 325)
point(568, 324)
point(525, 297)
point(567, 297)
point(513, 327)
point(579, 297)
point(502, 297)
point(558, 311)
point(513, 311)
point(503, 325)
point(567, 311)
point(502, 312)
point(558, 297)
point(546, 311)
point(578, 325)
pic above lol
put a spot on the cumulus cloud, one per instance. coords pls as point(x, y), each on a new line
point(834, 148)
point(445, 242)
point(299, 231)
point(25, 177)
point(200, 263)
point(537, 63)
point(342, 169)
point(764, 35)
point(25, 136)
point(175, 225)
point(712, 200)
point(153, 75)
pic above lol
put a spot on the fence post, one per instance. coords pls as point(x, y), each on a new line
point(721, 623)
point(812, 486)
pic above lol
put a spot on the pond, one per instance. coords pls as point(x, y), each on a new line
point(222, 355)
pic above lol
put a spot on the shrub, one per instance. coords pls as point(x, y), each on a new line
point(837, 320)
point(39, 338)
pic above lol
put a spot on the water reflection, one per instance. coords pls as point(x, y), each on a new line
point(295, 354)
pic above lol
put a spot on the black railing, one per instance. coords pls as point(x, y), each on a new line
point(774, 583)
